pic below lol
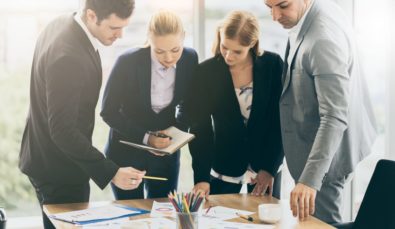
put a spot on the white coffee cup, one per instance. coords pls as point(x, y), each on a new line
point(269, 213)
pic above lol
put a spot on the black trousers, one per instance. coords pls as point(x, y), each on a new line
point(166, 166)
point(50, 193)
point(218, 186)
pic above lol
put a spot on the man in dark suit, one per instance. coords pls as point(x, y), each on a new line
point(57, 153)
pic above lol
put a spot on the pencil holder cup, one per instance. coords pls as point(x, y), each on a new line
point(187, 220)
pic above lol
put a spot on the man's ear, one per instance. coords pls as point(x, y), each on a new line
point(91, 17)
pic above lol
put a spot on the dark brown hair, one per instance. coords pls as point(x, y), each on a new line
point(104, 8)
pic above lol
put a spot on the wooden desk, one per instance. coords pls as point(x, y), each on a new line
point(238, 201)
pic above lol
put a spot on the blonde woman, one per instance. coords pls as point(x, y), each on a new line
point(233, 110)
point(143, 90)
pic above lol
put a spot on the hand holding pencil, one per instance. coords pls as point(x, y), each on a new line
point(128, 178)
point(155, 178)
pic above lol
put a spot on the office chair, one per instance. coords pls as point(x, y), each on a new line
point(378, 205)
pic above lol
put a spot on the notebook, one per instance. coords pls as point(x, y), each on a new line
point(179, 139)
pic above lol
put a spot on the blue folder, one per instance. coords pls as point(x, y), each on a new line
point(81, 222)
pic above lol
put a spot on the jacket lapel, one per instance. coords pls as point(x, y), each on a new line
point(96, 56)
point(294, 50)
point(181, 76)
point(232, 105)
point(262, 84)
point(144, 77)
point(292, 54)
point(87, 43)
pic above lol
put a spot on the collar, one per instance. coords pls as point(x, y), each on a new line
point(296, 29)
point(94, 41)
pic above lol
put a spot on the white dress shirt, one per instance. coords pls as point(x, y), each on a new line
point(94, 41)
point(162, 86)
point(294, 32)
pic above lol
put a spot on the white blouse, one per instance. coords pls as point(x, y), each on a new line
point(244, 95)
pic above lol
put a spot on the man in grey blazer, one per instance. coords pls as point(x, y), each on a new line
point(327, 121)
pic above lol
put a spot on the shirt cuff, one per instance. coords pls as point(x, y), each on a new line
point(145, 139)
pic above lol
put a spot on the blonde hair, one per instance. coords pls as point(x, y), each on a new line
point(163, 23)
point(240, 25)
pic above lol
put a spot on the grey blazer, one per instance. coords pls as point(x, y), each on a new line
point(327, 121)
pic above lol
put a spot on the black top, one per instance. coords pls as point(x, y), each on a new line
point(65, 83)
point(223, 142)
point(127, 100)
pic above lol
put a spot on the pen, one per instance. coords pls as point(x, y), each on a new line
point(154, 178)
point(160, 135)
point(246, 217)
point(208, 209)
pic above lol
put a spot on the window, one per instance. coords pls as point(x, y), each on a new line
point(372, 27)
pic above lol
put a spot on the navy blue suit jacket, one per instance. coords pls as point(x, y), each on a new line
point(223, 142)
point(126, 104)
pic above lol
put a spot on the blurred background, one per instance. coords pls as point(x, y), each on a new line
point(21, 21)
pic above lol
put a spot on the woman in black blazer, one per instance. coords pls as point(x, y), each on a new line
point(233, 111)
point(144, 88)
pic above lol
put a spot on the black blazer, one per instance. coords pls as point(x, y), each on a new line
point(223, 142)
point(65, 83)
point(126, 104)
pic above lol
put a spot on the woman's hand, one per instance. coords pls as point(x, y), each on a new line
point(203, 188)
point(263, 182)
point(159, 142)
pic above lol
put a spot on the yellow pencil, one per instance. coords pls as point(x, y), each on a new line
point(186, 205)
point(154, 178)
